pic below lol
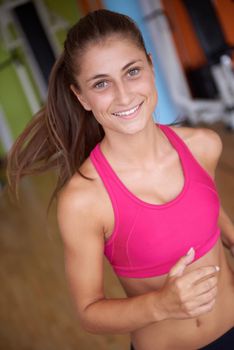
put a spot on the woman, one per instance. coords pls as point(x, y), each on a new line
point(142, 193)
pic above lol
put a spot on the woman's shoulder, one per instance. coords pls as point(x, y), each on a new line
point(198, 134)
point(80, 192)
point(204, 139)
point(204, 143)
point(79, 217)
point(77, 203)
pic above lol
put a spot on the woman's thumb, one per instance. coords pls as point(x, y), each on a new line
point(178, 269)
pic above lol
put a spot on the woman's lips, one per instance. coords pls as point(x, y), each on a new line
point(130, 113)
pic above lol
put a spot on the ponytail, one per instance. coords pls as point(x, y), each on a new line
point(60, 136)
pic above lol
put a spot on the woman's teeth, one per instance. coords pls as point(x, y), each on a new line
point(129, 112)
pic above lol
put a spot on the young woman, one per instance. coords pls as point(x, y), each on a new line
point(141, 192)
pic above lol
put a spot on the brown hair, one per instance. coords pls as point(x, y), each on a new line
point(62, 134)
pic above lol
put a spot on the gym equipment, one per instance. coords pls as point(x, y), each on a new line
point(194, 110)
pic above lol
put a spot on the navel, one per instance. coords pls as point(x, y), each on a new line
point(198, 322)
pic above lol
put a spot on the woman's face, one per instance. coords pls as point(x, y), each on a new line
point(117, 83)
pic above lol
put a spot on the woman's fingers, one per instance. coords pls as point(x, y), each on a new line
point(206, 297)
point(205, 286)
point(187, 294)
point(203, 309)
point(199, 275)
point(178, 269)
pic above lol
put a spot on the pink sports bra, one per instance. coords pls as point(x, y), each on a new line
point(148, 239)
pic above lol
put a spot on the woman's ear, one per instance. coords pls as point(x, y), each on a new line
point(80, 98)
point(150, 59)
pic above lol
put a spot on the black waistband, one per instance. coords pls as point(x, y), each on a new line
point(225, 342)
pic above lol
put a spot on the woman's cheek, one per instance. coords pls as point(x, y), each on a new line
point(102, 102)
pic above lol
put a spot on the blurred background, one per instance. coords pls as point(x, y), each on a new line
point(192, 47)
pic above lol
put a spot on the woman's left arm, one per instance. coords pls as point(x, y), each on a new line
point(227, 229)
point(207, 146)
point(213, 147)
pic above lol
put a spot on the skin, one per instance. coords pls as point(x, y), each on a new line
point(186, 308)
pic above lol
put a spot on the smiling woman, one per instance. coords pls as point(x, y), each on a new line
point(117, 88)
point(124, 187)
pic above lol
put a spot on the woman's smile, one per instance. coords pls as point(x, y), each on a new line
point(130, 113)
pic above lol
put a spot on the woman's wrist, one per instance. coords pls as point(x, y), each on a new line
point(158, 310)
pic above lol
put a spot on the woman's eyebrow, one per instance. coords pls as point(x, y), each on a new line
point(130, 63)
point(103, 75)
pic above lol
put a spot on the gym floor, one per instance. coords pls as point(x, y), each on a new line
point(36, 311)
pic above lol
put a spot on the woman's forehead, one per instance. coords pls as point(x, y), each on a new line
point(112, 39)
point(110, 51)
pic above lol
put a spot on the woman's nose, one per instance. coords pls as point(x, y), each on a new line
point(123, 94)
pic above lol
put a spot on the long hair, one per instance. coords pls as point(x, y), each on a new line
point(62, 134)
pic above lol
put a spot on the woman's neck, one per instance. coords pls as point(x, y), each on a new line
point(139, 150)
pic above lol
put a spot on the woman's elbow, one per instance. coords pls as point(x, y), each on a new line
point(88, 323)
point(90, 327)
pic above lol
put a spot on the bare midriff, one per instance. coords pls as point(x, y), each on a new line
point(192, 333)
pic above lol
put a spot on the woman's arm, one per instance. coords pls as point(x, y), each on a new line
point(207, 147)
point(227, 230)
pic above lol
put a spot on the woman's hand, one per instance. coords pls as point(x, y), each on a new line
point(187, 295)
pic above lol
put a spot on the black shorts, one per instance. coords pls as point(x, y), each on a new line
point(225, 342)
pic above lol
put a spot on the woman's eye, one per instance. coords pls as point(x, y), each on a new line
point(134, 72)
point(101, 85)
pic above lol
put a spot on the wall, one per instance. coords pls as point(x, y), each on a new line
point(12, 98)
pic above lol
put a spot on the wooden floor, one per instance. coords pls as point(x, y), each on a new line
point(36, 311)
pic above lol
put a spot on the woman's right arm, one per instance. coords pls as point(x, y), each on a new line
point(81, 229)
